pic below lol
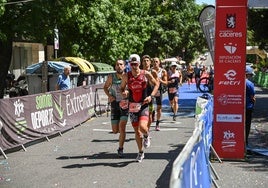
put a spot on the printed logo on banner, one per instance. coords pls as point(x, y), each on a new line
point(43, 117)
point(60, 111)
point(76, 103)
point(234, 118)
point(230, 48)
point(59, 108)
point(230, 80)
point(231, 21)
point(21, 122)
point(228, 140)
point(229, 99)
point(231, 56)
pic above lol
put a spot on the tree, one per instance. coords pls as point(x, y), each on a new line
point(175, 28)
point(102, 30)
point(257, 24)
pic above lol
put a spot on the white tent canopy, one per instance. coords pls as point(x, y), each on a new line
point(172, 59)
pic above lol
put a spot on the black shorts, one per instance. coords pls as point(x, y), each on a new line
point(172, 95)
point(190, 75)
point(158, 99)
point(118, 113)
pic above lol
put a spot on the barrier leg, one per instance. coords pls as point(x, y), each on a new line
point(215, 183)
point(47, 139)
point(214, 171)
point(215, 153)
point(23, 147)
point(3, 153)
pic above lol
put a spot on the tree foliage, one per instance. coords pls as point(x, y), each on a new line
point(104, 30)
point(258, 24)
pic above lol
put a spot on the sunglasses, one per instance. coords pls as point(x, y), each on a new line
point(133, 64)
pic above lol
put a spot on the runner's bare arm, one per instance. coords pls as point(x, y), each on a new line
point(106, 87)
point(180, 78)
point(164, 79)
point(154, 74)
point(155, 82)
point(123, 86)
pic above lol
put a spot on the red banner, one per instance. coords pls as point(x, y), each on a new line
point(232, 3)
point(229, 81)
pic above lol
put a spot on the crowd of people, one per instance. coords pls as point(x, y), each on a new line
point(134, 90)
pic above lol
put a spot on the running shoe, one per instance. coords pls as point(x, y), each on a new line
point(140, 157)
point(157, 128)
point(146, 141)
point(174, 117)
point(120, 153)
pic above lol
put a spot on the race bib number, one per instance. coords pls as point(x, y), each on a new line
point(134, 107)
point(123, 104)
point(172, 90)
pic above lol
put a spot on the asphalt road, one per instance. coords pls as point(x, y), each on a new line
point(86, 157)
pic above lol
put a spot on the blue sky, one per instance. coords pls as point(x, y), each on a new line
point(209, 2)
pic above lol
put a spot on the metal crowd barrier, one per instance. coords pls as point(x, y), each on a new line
point(192, 167)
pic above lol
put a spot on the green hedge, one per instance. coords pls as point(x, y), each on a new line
point(261, 79)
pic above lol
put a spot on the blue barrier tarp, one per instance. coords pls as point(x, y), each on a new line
point(196, 168)
point(187, 96)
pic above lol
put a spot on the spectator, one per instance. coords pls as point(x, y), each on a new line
point(250, 100)
point(64, 81)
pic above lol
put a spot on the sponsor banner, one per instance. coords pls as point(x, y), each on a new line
point(228, 141)
point(28, 118)
point(229, 80)
point(229, 118)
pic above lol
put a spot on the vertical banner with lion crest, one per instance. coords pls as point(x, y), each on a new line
point(229, 80)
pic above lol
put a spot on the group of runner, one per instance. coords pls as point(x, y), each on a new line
point(132, 94)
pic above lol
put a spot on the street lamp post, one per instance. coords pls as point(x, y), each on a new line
point(56, 41)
